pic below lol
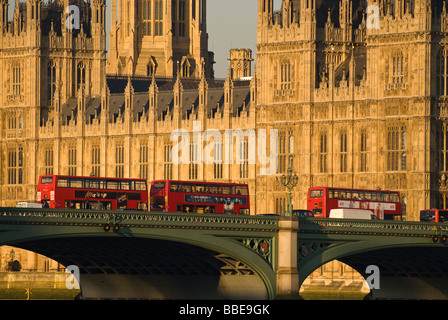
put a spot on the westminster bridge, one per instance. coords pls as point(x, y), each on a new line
point(151, 255)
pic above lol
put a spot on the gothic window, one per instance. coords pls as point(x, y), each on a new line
point(286, 151)
point(442, 144)
point(282, 153)
point(285, 76)
point(119, 161)
point(193, 165)
point(12, 120)
point(323, 153)
point(442, 73)
point(149, 70)
point(182, 19)
point(158, 25)
point(396, 148)
point(217, 160)
point(81, 75)
point(244, 157)
point(16, 80)
point(397, 68)
point(48, 161)
point(343, 154)
point(51, 80)
point(15, 165)
point(147, 18)
point(128, 20)
point(72, 160)
point(185, 71)
point(96, 161)
point(167, 164)
point(363, 151)
point(291, 147)
point(280, 205)
point(144, 156)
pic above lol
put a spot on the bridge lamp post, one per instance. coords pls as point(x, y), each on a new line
point(289, 181)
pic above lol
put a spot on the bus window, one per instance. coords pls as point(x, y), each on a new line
point(114, 185)
point(368, 196)
point(374, 196)
point(386, 197)
point(76, 183)
point(244, 211)
point(316, 193)
point(241, 190)
point(394, 197)
point(356, 195)
point(140, 186)
point(175, 187)
point(187, 187)
point(342, 194)
point(214, 188)
point(331, 194)
point(93, 184)
point(201, 188)
point(348, 195)
point(427, 216)
point(336, 194)
point(228, 190)
point(124, 185)
point(46, 180)
point(62, 183)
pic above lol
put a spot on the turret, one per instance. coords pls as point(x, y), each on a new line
point(3, 16)
point(33, 20)
point(308, 18)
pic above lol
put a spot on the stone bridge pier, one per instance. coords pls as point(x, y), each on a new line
point(287, 272)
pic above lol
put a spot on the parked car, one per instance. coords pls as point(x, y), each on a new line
point(24, 204)
point(352, 214)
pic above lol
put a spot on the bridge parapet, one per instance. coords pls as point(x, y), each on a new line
point(371, 227)
point(138, 219)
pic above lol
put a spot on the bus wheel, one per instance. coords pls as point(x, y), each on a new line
point(106, 227)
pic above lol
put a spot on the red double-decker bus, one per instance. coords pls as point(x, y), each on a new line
point(384, 204)
point(72, 192)
point(199, 197)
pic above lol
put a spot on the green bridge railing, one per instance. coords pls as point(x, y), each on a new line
point(137, 219)
point(372, 227)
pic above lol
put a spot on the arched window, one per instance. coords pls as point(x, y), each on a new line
point(16, 80)
point(80, 75)
point(285, 76)
point(442, 73)
point(147, 18)
point(398, 68)
point(323, 153)
point(396, 148)
point(51, 80)
point(158, 19)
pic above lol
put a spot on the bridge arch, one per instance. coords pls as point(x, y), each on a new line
point(218, 262)
point(409, 268)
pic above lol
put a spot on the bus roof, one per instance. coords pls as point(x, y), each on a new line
point(201, 182)
point(352, 189)
point(90, 177)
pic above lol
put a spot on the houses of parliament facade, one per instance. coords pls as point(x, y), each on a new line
point(353, 106)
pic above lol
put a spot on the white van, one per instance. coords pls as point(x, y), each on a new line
point(352, 214)
point(25, 204)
